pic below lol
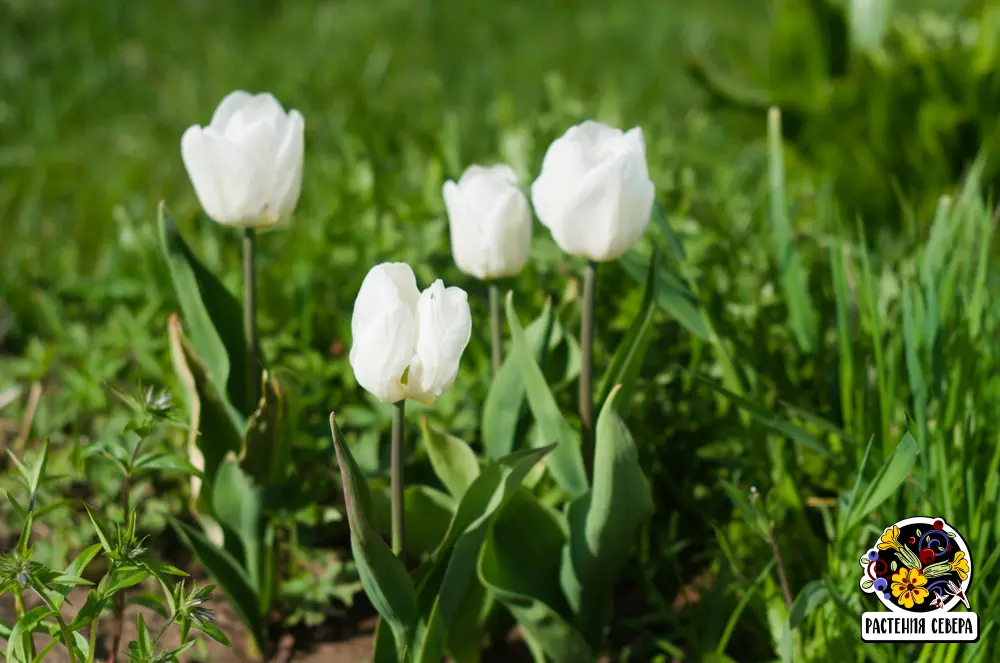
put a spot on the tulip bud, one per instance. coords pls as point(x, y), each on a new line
point(490, 222)
point(246, 165)
point(594, 193)
point(407, 343)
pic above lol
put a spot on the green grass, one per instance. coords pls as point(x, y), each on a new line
point(400, 96)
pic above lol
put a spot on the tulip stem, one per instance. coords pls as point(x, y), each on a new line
point(587, 366)
point(496, 327)
point(396, 479)
point(250, 316)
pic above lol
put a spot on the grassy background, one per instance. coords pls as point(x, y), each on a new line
point(399, 96)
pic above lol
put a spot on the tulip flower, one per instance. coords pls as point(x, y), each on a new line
point(490, 222)
point(594, 193)
point(406, 344)
point(595, 197)
point(246, 165)
point(246, 169)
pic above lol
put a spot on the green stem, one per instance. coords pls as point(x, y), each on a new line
point(496, 327)
point(396, 479)
point(93, 641)
point(250, 316)
point(67, 636)
point(163, 629)
point(586, 396)
point(119, 611)
point(19, 610)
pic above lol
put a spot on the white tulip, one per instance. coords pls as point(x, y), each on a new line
point(246, 165)
point(594, 193)
point(407, 343)
point(490, 222)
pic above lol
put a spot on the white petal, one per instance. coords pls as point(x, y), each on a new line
point(592, 214)
point(444, 326)
point(288, 167)
point(221, 174)
point(201, 171)
point(384, 330)
point(506, 233)
point(565, 163)
point(466, 245)
point(233, 103)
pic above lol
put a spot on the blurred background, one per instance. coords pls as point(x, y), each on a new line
point(886, 107)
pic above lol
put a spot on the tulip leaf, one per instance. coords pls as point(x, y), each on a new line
point(237, 504)
point(212, 315)
point(604, 522)
point(454, 462)
point(385, 645)
point(453, 565)
point(428, 514)
point(469, 627)
point(566, 462)
point(383, 575)
point(505, 399)
point(213, 432)
point(627, 360)
point(672, 296)
point(231, 577)
point(523, 573)
point(262, 452)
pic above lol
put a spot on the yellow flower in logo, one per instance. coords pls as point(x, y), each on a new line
point(960, 565)
point(890, 539)
point(908, 587)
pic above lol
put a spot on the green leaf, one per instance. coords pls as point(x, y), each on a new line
point(102, 533)
point(382, 574)
point(213, 430)
point(125, 578)
point(523, 573)
point(775, 423)
point(672, 296)
point(38, 470)
point(794, 281)
point(505, 399)
point(18, 508)
point(566, 462)
point(453, 460)
point(25, 537)
point(75, 569)
point(603, 523)
point(238, 505)
point(890, 478)
point(148, 600)
point(456, 566)
point(212, 315)
point(469, 628)
point(385, 644)
point(627, 360)
point(90, 611)
point(262, 454)
point(164, 461)
point(211, 630)
point(813, 595)
point(230, 576)
point(428, 514)
point(17, 643)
